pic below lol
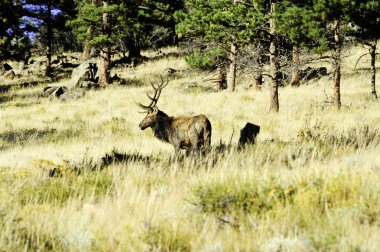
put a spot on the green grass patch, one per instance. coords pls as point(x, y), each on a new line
point(165, 238)
point(57, 191)
point(308, 197)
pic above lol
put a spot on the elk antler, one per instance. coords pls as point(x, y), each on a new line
point(157, 92)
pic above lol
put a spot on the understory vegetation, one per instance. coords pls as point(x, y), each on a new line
point(81, 176)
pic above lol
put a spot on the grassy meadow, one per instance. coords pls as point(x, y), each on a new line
point(82, 176)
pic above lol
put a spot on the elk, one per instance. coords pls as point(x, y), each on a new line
point(192, 133)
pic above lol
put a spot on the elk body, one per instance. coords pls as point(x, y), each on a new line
point(192, 133)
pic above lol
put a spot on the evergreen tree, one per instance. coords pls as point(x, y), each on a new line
point(14, 44)
point(334, 15)
point(96, 26)
point(225, 24)
point(150, 24)
point(105, 50)
point(109, 26)
point(298, 23)
point(50, 16)
point(366, 16)
point(273, 58)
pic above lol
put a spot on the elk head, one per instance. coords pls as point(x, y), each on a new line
point(153, 113)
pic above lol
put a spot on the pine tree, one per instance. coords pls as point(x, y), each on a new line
point(52, 16)
point(14, 44)
point(105, 50)
point(110, 26)
point(298, 23)
point(223, 23)
point(96, 26)
point(273, 58)
point(366, 16)
point(335, 17)
point(90, 31)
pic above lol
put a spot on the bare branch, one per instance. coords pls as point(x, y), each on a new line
point(360, 59)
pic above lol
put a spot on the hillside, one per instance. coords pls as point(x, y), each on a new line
point(82, 176)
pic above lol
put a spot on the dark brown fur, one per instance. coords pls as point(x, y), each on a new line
point(192, 133)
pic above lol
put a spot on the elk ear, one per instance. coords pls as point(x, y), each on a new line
point(155, 110)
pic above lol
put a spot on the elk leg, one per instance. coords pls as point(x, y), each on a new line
point(196, 145)
point(177, 147)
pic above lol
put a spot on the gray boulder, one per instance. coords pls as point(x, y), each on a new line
point(6, 67)
point(86, 71)
point(54, 92)
point(62, 93)
point(9, 75)
point(71, 95)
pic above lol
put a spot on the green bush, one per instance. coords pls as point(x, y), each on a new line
point(164, 238)
point(307, 198)
point(247, 197)
point(206, 59)
point(58, 191)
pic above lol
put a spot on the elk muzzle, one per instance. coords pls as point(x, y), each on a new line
point(143, 125)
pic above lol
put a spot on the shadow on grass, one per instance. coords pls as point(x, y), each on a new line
point(36, 136)
point(359, 71)
point(22, 136)
point(21, 99)
point(23, 84)
point(116, 157)
point(89, 164)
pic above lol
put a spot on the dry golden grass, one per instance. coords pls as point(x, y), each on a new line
point(311, 182)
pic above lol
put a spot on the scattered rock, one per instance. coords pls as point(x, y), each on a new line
point(86, 71)
point(190, 84)
point(311, 73)
point(68, 65)
point(89, 84)
point(115, 78)
point(6, 67)
point(169, 72)
point(55, 92)
point(55, 62)
point(124, 61)
point(62, 93)
point(48, 90)
point(9, 75)
point(71, 95)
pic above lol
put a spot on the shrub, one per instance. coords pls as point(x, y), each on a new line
point(165, 238)
point(205, 59)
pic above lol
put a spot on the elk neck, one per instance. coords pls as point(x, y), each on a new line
point(162, 127)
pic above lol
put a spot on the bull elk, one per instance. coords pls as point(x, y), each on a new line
point(192, 133)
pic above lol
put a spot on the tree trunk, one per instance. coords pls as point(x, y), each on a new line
point(49, 36)
point(373, 69)
point(105, 56)
point(220, 79)
point(274, 103)
point(87, 48)
point(231, 78)
point(134, 50)
point(258, 77)
point(295, 81)
point(337, 65)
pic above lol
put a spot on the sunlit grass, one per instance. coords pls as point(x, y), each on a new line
point(81, 175)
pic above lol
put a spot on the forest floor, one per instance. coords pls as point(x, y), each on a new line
point(82, 176)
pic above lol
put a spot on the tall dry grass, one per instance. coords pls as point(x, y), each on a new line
point(81, 176)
